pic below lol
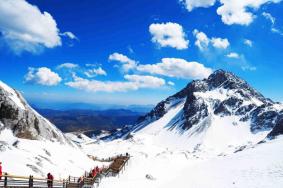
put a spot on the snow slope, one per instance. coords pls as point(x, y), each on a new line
point(37, 157)
point(259, 166)
point(214, 137)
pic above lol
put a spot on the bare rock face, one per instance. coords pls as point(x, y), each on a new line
point(17, 115)
point(277, 130)
point(222, 94)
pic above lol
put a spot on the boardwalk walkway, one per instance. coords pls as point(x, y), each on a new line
point(118, 163)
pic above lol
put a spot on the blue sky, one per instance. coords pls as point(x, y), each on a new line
point(136, 52)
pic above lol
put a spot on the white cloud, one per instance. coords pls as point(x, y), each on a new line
point(233, 55)
point(42, 76)
point(272, 20)
point(170, 83)
point(168, 35)
point(220, 43)
point(142, 81)
point(203, 42)
point(179, 68)
point(127, 63)
point(69, 35)
point(94, 72)
point(231, 11)
point(275, 30)
point(269, 17)
point(240, 11)
point(25, 28)
point(192, 4)
point(132, 82)
point(248, 42)
point(67, 66)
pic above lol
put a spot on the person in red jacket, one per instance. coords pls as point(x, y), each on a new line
point(93, 172)
point(50, 180)
point(1, 170)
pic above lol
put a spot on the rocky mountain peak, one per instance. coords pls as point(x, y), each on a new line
point(225, 79)
point(25, 122)
point(223, 95)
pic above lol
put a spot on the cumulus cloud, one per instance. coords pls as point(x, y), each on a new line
point(175, 67)
point(240, 11)
point(233, 55)
point(232, 11)
point(168, 35)
point(67, 66)
point(42, 76)
point(220, 43)
point(203, 42)
point(192, 4)
point(127, 63)
point(25, 28)
point(248, 42)
point(132, 82)
point(95, 72)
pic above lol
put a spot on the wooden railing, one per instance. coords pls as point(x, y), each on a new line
point(13, 181)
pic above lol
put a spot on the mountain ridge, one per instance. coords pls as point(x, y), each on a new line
point(221, 95)
point(17, 115)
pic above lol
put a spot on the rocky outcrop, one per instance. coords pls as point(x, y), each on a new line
point(17, 115)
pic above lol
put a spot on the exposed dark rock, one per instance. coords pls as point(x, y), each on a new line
point(277, 130)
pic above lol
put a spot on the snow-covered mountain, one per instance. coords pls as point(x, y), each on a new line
point(31, 145)
point(25, 122)
point(214, 133)
point(220, 111)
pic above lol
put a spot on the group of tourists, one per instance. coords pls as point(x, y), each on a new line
point(93, 173)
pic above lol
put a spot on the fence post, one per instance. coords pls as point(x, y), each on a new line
point(30, 182)
point(6, 180)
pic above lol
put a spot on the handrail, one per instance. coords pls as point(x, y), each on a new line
point(5, 174)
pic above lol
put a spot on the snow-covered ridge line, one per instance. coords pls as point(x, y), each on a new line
point(12, 95)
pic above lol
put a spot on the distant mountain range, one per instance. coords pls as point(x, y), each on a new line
point(94, 120)
point(88, 106)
